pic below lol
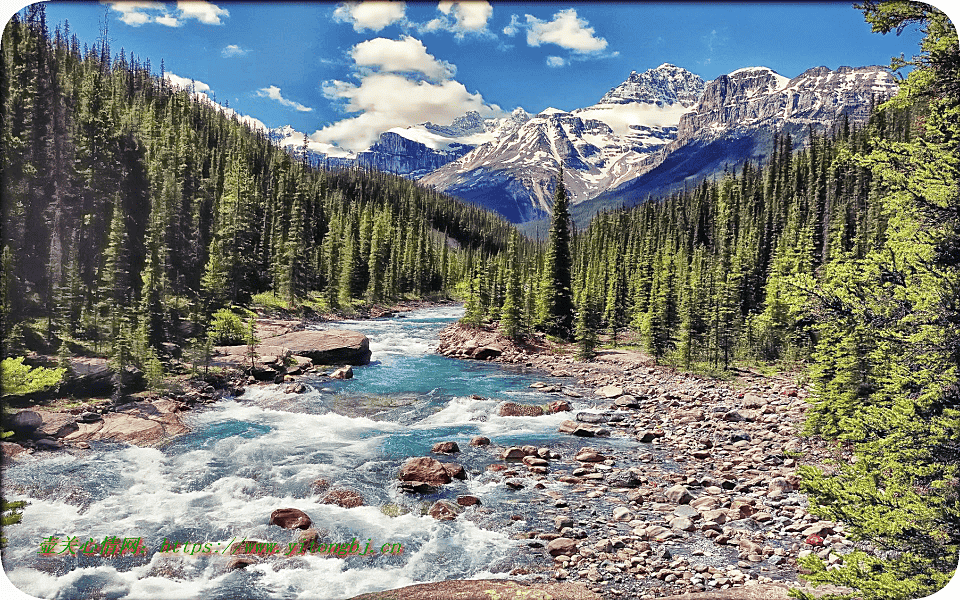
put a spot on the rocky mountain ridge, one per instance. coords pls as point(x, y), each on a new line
point(653, 133)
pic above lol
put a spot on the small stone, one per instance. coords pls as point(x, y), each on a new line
point(622, 513)
point(609, 391)
point(562, 545)
point(445, 448)
point(480, 441)
point(678, 494)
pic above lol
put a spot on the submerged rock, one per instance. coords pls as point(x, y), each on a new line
point(344, 498)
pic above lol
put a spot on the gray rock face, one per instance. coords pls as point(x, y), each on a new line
point(667, 84)
point(394, 153)
point(749, 98)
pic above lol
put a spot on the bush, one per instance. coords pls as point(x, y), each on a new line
point(20, 379)
point(226, 328)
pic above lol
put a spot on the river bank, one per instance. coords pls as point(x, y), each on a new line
point(708, 502)
point(90, 408)
point(546, 498)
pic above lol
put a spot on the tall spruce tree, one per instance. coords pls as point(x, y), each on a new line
point(556, 291)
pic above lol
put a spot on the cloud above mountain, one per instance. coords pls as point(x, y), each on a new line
point(399, 84)
point(407, 55)
point(273, 92)
point(136, 13)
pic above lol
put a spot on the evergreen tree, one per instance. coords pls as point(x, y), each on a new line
point(556, 315)
point(510, 323)
point(889, 386)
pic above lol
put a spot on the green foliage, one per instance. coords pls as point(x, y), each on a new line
point(226, 328)
point(887, 371)
point(10, 514)
point(131, 211)
point(252, 340)
point(510, 317)
point(556, 312)
point(588, 319)
point(20, 379)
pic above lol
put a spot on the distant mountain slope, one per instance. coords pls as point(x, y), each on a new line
point(736, 119)
point(654, 133)
point(600, 147)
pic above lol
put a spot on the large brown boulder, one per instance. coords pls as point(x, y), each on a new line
point(426, 470)
point(327, 347)
point(562, 545)
point(57, 425)
point(290, 518)
point(140, 423)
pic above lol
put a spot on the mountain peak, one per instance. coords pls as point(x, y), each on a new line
point(665, 85)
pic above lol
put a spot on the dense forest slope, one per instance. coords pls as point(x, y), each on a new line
point(132, 210)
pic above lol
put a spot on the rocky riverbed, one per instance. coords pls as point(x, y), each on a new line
point(286, 352)
point(708, 503)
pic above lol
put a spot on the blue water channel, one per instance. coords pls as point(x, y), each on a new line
point(266, 449)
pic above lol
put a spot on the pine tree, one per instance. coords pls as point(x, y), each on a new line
point(510, 313)
point(556, 315)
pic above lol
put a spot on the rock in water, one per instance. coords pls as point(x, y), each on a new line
point(444, 510)
point(424, 469)
point(344, 498)
point(290, 518)
point(343, 373)
point(328, 347)
point(445, 448)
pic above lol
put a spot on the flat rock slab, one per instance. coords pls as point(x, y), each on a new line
point(327, 347)
point(485, 589)
point(139, 423)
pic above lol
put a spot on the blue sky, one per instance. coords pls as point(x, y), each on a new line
point(344, 72)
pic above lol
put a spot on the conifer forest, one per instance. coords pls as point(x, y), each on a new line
point(136, 217)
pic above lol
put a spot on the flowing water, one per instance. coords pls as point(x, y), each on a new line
point(248, 456)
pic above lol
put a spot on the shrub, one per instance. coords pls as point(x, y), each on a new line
point(226, 328)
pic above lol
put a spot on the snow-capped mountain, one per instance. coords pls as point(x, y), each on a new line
point(655, 132)
point(599, 146)
point(737, 117)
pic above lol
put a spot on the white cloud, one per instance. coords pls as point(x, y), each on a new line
point(205, 12)
point(387, 100)
point(400, 85)
point(273, 92)
point(130, 12)
point(514, 27)
point(406, 55)
point(136, 13)
point(168, 21)
point(555, 61)
point(370, 15)
point(233, 50)
point(566, 30)
point(468, 17)
point(185, 82)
